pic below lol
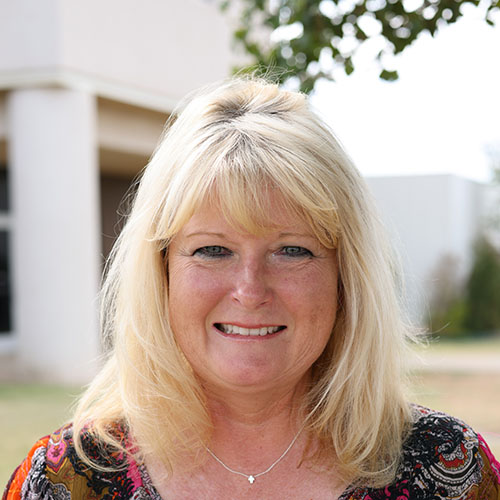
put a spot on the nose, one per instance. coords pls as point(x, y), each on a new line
point(251, 285)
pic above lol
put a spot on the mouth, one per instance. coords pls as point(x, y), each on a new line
point(262, 331)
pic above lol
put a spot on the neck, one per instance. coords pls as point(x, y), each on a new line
point(252, 430)
point(256, 409)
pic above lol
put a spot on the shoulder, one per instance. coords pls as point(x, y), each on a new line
point(439, 438)
point(14, 486)
point(54, 470)
point(49, 455)
point(443, 458)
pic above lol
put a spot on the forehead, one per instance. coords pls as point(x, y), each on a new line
point(279, 216)
point(256, 210)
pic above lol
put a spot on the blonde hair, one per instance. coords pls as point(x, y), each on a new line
point(235, 141)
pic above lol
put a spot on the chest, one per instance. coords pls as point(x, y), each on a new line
point(296, 484)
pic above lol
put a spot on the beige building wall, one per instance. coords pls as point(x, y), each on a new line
point(85, 89)
point(147, 53)
point(430, 219)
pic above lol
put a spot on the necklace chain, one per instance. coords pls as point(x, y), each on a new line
point(252, 477)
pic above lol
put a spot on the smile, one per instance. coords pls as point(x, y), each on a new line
point(239, 330)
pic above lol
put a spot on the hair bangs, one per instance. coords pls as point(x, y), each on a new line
point(237, 172)
point(256, 168)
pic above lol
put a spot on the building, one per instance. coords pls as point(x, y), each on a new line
point(433, 221)
point(85, 88)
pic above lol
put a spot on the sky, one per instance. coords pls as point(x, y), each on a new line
point(439, 117)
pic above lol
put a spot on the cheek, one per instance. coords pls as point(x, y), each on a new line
point(192, 292)
point(316, 309)
point(190, 283)
point(315, 293)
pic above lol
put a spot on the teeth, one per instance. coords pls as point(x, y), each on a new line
point(238, 330)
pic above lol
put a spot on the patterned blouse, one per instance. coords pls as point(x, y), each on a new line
point(443, 458)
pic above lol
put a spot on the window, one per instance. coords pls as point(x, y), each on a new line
point(5, 288)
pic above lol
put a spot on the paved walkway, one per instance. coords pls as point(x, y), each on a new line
point(458, 362)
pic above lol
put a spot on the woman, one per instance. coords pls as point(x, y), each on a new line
point(258, 347)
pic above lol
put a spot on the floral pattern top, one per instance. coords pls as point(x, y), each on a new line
point(443, 458)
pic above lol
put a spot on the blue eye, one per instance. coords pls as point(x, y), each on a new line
point(292, 251)
point(212, 251)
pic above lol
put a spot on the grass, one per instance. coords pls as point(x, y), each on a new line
point(28, 412)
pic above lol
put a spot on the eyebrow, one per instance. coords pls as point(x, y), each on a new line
point(290, 233)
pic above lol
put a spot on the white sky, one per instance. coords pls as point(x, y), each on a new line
point(439, 117)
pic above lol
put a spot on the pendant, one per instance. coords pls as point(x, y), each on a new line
point(251, 479)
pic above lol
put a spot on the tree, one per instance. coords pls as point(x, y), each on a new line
point(469, 308)
point(447, 302)
point(483, 289)
point(309, 38)
point(472, 307)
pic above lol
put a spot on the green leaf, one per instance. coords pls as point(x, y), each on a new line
point(255, 20)
point(307, 85)
point(389, 76)
point(241, 34)
point(348, 66)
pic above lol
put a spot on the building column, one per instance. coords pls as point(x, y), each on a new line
point(54, 188)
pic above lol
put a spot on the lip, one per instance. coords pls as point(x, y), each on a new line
point(249, 326)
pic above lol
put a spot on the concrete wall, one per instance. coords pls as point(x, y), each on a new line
point(53, 182)
point(148, 53)
point(85, 89)
point(429, 217)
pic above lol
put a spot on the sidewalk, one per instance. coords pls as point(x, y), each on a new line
point(457, 362)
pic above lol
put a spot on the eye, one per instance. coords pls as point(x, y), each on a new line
point(291, 251)
point(212, 251)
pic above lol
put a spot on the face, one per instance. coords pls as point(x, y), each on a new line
point(250, 312)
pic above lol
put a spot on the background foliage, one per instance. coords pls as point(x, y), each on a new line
point(312, 38)
point(471, 306)
point(482, 293)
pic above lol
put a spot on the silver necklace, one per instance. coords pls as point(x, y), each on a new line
point(252, 477)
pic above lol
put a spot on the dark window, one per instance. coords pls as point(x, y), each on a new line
point(4, 199)
point(113, 209)
point(5, 288)
point(5, 313)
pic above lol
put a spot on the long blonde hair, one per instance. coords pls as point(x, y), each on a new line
point(235, 139)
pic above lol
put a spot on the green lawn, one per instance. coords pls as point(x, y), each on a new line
point(28, 412)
